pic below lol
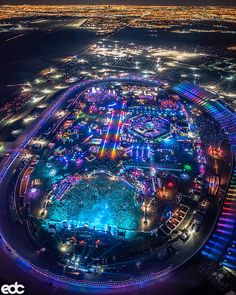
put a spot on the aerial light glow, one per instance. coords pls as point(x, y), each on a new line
point(187, 167)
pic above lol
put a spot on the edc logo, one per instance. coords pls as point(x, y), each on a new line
point(13, 289)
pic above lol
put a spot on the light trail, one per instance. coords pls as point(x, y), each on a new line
point(18, 36)
point(107, 135)
point(113, 153)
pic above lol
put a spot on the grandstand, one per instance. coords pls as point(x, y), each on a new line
point(193, 92)
point(221, 246)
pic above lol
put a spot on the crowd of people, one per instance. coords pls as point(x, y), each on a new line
point(98, 201)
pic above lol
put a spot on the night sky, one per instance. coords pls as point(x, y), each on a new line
point(133, 2)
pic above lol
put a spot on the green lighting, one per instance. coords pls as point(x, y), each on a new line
point(1, 148)
point(187, 167)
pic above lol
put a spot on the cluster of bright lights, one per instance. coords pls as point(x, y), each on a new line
point(106, 284)
point(223, 236)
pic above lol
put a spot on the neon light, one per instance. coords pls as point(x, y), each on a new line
point(224, 231)
point(113, 153)
point(119, 124)
point(106, 136)
point(225, 225)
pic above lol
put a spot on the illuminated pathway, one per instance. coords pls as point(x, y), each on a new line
point(106, 138)
point(113, 132)
point(116, 139)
